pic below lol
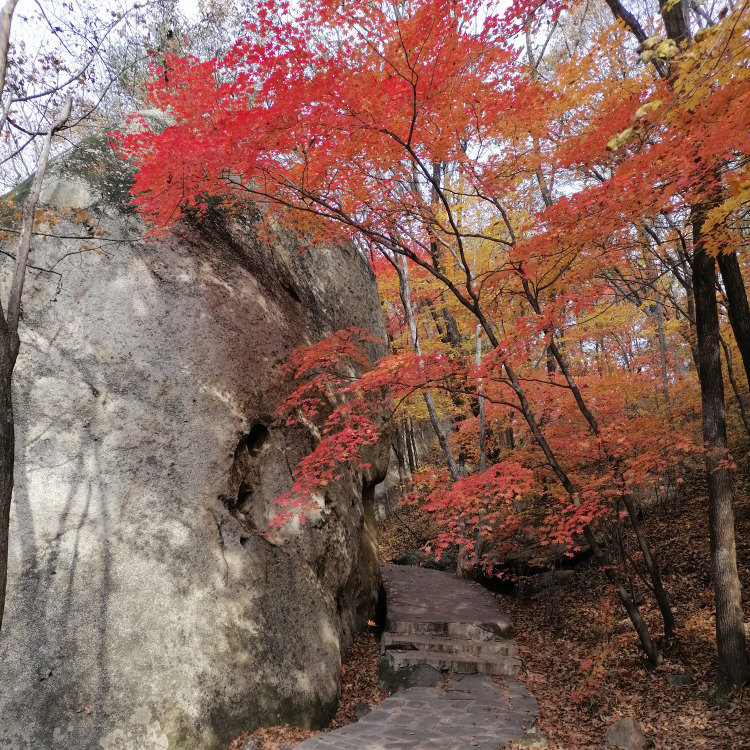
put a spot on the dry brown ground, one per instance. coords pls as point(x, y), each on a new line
point(582, 660)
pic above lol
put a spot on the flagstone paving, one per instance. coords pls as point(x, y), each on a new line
point(455, 630)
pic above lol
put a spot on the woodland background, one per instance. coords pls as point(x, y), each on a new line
point(554, 198)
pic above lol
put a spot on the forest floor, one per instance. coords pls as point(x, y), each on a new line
point(583, 662)
point(581, 657)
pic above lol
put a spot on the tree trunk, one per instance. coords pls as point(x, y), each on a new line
point(630, 606)
point(737, 306)
point(730, 629)
point(659, 304)
point(411, 448)
point(653, 570)
point(735, 387)
point(9, 339)
point(8, 350)
point(482, 448)
point(676, 20)
point(405, 293)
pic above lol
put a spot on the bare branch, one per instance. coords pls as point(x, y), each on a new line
point(27, 225)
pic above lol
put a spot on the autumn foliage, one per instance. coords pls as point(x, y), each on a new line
point(532, 188)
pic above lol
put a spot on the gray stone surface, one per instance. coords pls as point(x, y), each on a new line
point(432, 709)
point(438, 622)
point(462, 663)
point(151, 604)
point(441, 645)
point(431, 601)
point(361, 710)
point(471, 712)
point(626, 734)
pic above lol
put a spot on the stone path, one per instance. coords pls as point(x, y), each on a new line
point(438, 620)
point(442, 637)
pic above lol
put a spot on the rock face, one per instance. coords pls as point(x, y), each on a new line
point(411, 443)
point(626, 734)
point(146, 608)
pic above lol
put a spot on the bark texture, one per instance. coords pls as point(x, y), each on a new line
point(730, 629)
point(8, 351)
point(737, 305)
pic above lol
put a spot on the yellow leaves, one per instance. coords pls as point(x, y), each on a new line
point(717, 59)
point(669, 5)
point(647, 48)
point(654, 46)
point(618, 141)
point(647, 108)
point(667, 49)
point(650, 43)
point(704, 34)
point(720, 226)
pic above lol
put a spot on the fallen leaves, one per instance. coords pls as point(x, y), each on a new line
point(555, 642)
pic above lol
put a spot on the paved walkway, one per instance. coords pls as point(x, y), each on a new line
point(472, 714)
point(453, 630)
point(420, 599)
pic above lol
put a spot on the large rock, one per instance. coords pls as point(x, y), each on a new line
point(626, 734)
point(150, 604)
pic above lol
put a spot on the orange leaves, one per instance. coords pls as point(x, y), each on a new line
point(422, 133)
point(333, 129)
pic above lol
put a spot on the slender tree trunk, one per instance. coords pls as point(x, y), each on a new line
point(9, 341)
point(411, 444)
point(737, 305)
point(442, 437)
point(482, 449)
point(8, 351)
point(651, 565)
point(653, 570)
point(405, 292)
point(735, 388)
point(630, 606)
point(730, 631)
point(659, 304)
point(523, 404)
point(730, 628)
point(6, 18)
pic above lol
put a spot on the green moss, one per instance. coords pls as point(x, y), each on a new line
point(91, 161)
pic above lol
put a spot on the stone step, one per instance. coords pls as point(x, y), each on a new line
point(484, 631)
point(490, 664)
point(438, 644)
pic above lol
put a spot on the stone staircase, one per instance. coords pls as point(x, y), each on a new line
point(449, 625)
point(437, 624)
point(462, 656)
